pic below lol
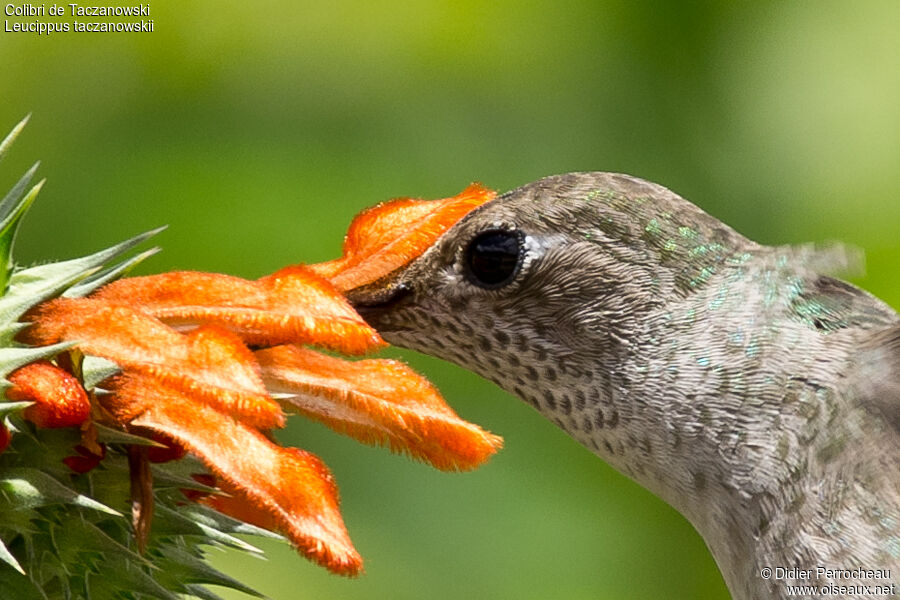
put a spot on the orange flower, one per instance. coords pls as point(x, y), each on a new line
point(292, 305)
point(190, 380)
point(59, 400)
point(376, 401)
point(386, 237)
point(285, 487)
point(211, 362)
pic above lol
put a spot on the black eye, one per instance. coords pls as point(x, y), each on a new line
point(493, 258)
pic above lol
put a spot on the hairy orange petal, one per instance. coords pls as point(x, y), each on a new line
point(385, 237)
point(290, 306)
point(290, 487)
point(209, 362)
point(235, 505)
point(59, 399)
point(377, 401)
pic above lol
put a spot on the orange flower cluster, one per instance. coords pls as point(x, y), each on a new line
point(191, 380)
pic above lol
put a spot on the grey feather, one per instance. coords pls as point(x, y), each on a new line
point(877, 384)
point(741, 383)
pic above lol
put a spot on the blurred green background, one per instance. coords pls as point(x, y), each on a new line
point(257, 130)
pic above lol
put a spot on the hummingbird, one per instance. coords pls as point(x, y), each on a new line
point(743, 384)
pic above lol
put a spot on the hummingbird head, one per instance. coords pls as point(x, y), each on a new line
point(546, 289)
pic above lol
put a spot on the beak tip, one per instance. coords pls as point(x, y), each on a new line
point(372, 301)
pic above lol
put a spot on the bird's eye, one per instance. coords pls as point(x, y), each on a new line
point(493, 258)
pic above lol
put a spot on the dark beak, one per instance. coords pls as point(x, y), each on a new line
point(375, 300)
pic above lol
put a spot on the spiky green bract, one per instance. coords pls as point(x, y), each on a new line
point(69, 536)
point(13, 206)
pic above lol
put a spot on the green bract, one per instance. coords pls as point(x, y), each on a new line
point(69, 536)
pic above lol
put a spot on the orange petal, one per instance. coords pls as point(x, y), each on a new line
point(209, 362)
point(291, 306)
point(386, 237)
point(59, 399)
point(234, 504)
point(377, 401)
point(290, 487)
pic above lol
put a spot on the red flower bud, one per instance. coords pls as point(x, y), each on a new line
point(59, 399)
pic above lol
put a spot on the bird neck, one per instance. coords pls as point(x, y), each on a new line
point(738, 418)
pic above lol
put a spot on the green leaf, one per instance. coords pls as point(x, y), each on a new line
point(182, 568)
point(7, 557)
point(12, 203)
point(91, 283)
point(28, 287)
point(119, 575)
point(7, 408)
point(13, 358)
point(164, 480)
point(95, 369)
point(28, 488)
point(11, 137)
point(177, 474)
point(213, 518)
point(172, 522)
point(18, 586)
point(76, 535)
point(201, 592)
point(12, 209)
point(108, 435)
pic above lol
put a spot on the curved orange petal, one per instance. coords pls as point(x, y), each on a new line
point(209, 362)
point(285, 486)
point(377, 401)
point(59, 399)
point(234, 504)
point(292, 305)
point(385, 237)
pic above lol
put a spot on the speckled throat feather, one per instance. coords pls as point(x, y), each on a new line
point(741, 383)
